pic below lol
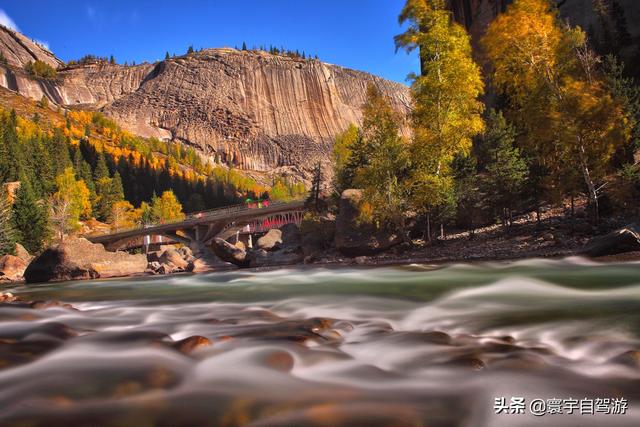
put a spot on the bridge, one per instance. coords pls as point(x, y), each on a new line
point(198, 229)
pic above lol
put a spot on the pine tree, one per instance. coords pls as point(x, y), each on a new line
point(166, 56)
point(101, 170)
point(190, 50)
point(117, 191)
point(7, 230)
point(30, 219)
point(507, 171)
point(112, 60)
point(244, 46)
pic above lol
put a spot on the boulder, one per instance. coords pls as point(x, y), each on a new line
point(77, 258)
point(186, 252)
point(270, 241)
point(174, 257)
point(353, 236)
point(290, 235)
point(229, 253)
point(317, 235)
point(12, 267)
point(23, 254)
point(262, 258)
point(626, 239)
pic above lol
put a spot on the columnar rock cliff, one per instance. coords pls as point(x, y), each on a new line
point(250, 110)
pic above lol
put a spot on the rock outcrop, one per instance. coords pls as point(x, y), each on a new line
point(77, 258)
point(354, 237)
point(19, 50)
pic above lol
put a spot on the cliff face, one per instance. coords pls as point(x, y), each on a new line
point(19, 50)
point(476, 15)
point(250, 110)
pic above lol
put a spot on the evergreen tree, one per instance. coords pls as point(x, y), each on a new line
point(166, 56)
point(244, 46)
point(112, 60)
point(507, 171)
point(101, 170)
point(117, 191)
point(30, 219)
point(190, 50)
point(7, 230)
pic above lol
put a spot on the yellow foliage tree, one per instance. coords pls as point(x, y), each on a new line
point(70, 202)
point(447, 113)
point(568, 120)
point(167, 208)
point(122, 215)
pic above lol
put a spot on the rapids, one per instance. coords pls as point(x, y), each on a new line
point(404, 346)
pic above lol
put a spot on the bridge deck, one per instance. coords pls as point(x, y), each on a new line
point(230, 213)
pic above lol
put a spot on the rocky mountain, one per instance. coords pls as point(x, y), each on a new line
point(251, 110)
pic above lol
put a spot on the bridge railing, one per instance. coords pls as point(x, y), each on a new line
point(210, 214)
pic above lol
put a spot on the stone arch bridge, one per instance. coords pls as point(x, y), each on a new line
point(198, 229)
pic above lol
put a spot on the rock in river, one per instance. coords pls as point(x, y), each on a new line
point(77, 258)
point(229, 253)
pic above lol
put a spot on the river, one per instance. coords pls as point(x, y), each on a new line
point(395, 346)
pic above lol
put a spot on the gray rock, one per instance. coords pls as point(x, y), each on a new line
point(270, 241)
point(354, 237)
point(626, 239)
point(229, 253)
point(186, 252)
point(174, 257)
point(290, 235)
point(77, 258)
point(262, 258)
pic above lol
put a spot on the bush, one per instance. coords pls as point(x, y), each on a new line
point(41, 70)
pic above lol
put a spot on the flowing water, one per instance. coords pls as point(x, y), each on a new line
point(402, 346)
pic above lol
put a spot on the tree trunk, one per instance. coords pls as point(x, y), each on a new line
point(442, 231)
point(429, 228)
point(593, 194)
point(573, 213)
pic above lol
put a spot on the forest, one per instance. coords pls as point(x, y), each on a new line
point(61, 173)
point(537, 116)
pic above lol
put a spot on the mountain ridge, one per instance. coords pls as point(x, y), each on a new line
point(250, 110)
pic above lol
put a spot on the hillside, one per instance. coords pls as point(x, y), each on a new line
point(245, 109)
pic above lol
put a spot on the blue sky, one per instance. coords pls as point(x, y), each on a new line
point(353, 33)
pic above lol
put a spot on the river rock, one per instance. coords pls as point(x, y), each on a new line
point(77, 258)
point(23, 254)
point(262, 258)
point(12, 267)
point(271, 240)
point(356, 238)
point(229, 253)
point(626, 239)
point(174, 257)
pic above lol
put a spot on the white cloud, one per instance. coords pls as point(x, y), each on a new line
point(7, 21)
